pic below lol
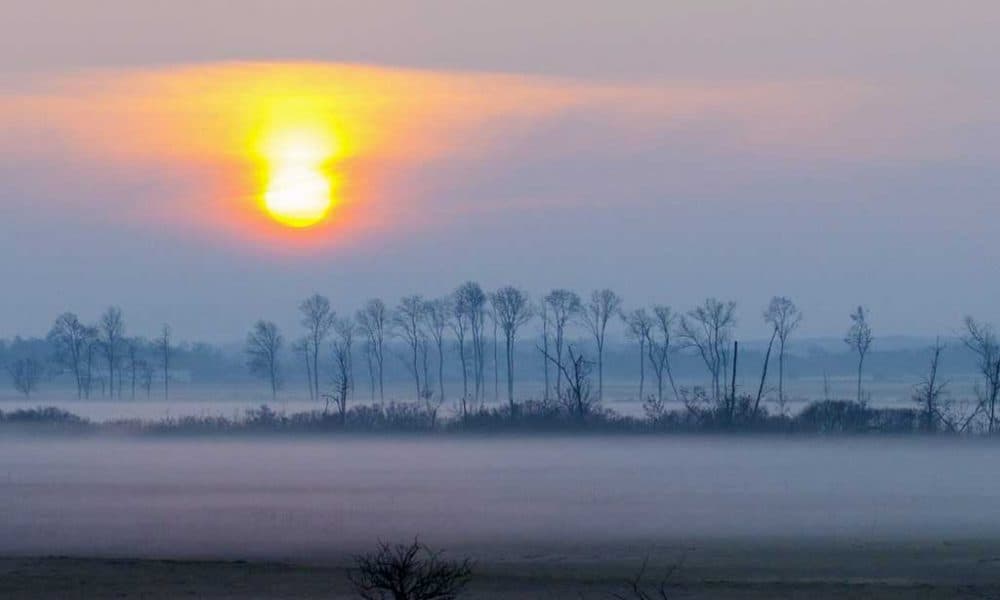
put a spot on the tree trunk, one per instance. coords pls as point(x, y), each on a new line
point(465, 377)
point(416, 370)
point(441, 368)
point(763, 374)
point(510, 373)
point(496, 364)
point(545, 360)
point(781, 373)
point(861, 361)
point(732, 406)
point(381, 379)
point(642, 370)
point(600, 370)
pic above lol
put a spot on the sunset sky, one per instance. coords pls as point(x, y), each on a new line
point(208, 163)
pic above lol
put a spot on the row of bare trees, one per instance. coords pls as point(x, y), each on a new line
point(425, 326)
point(103, 353)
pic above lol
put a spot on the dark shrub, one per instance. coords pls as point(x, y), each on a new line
point(409, 572)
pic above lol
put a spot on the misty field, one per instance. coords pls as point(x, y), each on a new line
point(582, 510)
point(232, 400)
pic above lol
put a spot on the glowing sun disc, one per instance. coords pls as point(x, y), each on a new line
point(298, 196)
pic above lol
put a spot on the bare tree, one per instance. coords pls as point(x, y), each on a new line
point(345, 330)
point(369, 350)
point(407, 321)
point(784, 317)
point(512, 310)
point(929, 393)
point(460, 326)
point(263, 349)
point(981, 339)
point(604, 304)
point(146, 377)
point(763, 377)
point(165, 349)
point(495, 320)
point(303, 348)
point(637, 590)
point(343, 367)
point(111, 333)
point(471, 301)
point(658, 339)
point(132, 348)
point(546, 318)
point(565, 305)
point(708, 329)
point(638, 326)
point(25, 374)
point(91, 355)
point(437, 314)
point(859, 338)
point(317, 318)
point(409, 572)
point(576, 371)
point(374, 320)
point(71, 339)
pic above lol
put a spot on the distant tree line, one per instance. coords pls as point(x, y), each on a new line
point(471, 328)
point(480, 322)
point(100, 356)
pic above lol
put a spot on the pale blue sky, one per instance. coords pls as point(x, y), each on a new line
point(836, 152)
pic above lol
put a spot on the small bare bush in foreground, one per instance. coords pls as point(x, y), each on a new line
point(409, 572)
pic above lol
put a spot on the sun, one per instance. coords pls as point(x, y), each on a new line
point(298, 196)
point(299, 190)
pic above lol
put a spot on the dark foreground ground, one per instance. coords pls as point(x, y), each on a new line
point(968, 569)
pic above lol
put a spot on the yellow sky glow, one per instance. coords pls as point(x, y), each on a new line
point(317, 152)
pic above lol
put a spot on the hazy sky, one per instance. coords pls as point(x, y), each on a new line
point(836, 152)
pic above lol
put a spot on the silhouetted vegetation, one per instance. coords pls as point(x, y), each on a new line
point(409, 572)
point(25, 374)
point(638, 589)
point(445, 340)
point(700, 414)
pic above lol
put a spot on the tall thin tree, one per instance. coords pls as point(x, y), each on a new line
point(343, 380)
point(70, 339)
point(317, 318)
point(437, 314)
point(929, 393)
point(471, 299)
point(111, 332)
point(512, 310)
point(708, 329)
point(784, 317)
point(658, 339)
point(460, 326)
point(981, 339)
point(543, 313)
point(638, 326)
point(374, 321)
point(133, 347)
point(859, 338)
point(407, 320)
point(604, 304)
point(565, 305)
point(263, 359)
point(164, 348)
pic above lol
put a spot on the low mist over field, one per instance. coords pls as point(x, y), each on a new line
point(493, 498)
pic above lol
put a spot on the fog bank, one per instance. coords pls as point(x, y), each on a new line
point(316, 500)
